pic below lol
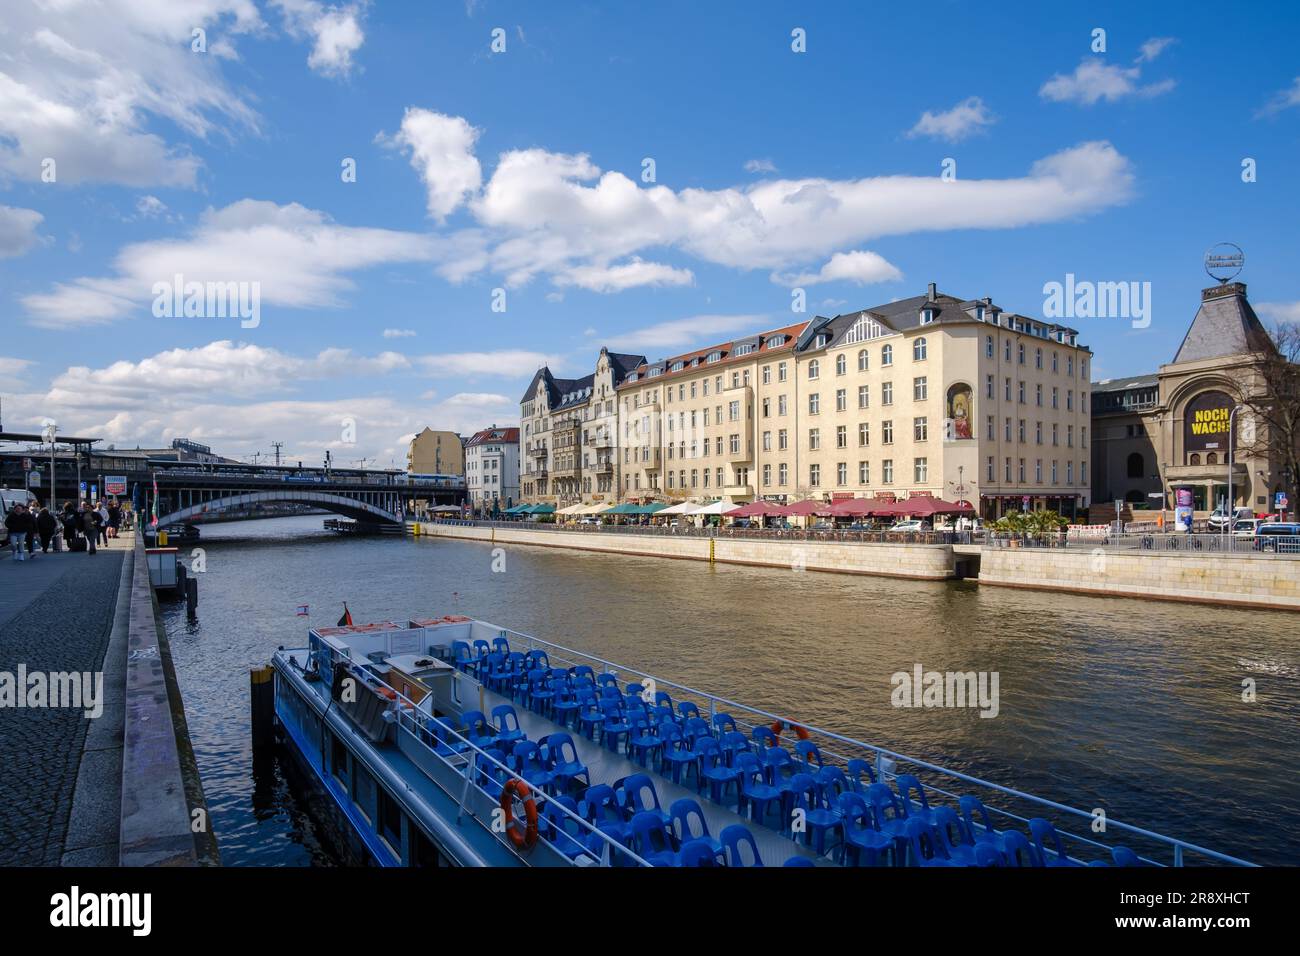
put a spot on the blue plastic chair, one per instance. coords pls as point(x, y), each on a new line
point(715, 773)
point(798, 861)
point(926, 849)
point(952, 834)
point(479, 730)
point(653, 841)
point(695, 728)
point(687, 709)
point(540, 694)
point(599, 806)
point(890, 816)
point(560, 755)
point(526, 760)
point(733, 743)
point(742, 850)
point(677, 754)
point(914, 806)
point(723, 723)
point(500, 645)
point(591, 719)
point(490, 776)
point(756, 794)
point(797, 793)
point(637, 794)
point(462, 657)
point(979, 827)
point(583, 670)
point(806, 751)
point(645, 744)
point(778, 765)
point(563, 832)
point(763, 737)
point(1054, 855)
point(506, 722)
point(616, 729)
point(565, 704)
point(863, 842)
point(688, 824)
point(1018, 851)
point(858, 767)
point(823, 816)
point(494, 673)
point(700, 853)
point(1123, 856)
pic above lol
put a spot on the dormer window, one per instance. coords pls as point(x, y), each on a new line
point(821, 341)
point(979, 313)
point(714, 357)
point(775, 341)
point(927, 316)
point(678, 366)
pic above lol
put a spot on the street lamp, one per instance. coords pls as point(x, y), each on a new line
point(1231, 504)
point(48, 433)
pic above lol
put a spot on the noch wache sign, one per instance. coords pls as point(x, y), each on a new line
point(1205, 424)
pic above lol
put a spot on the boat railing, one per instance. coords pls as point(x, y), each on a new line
point(422, 726)
point(884, 760)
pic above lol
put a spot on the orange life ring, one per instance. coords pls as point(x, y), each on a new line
point(526, 839)
point(779, 725)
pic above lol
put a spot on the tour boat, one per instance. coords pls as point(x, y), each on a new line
point(453, 741)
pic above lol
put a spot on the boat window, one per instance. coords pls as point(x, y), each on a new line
point(390, 821)
point(423, 852)
point(339, 759)
point(363, 792)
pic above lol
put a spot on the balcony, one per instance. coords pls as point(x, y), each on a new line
point(565, 471)
point(604, 466)
point(738, 491)
point(603, 441)
point(742, 455)
point(647, 458)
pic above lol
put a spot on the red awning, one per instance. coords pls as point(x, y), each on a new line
point(925, 507)
point(809, 507)
point(757, 509)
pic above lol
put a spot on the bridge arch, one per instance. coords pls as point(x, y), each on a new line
point(340, 504)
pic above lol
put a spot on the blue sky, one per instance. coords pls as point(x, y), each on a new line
point(522, 170)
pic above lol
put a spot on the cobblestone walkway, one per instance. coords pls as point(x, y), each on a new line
point(58, 618)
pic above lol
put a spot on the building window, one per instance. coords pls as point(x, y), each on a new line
point(814, 369)
point(767, 475)
point(841, 399)
point(782, 439)
point(780, 371)
point(864, 396)
point(990, 468)
point(920, 429)
point(864, 472)
point(988, 346)
point(886, 393)
point(815, 475)
point(782, 474)
point(887, 433)
point(887, 471)
point(886, 355)
point(842, 473)
point(864, 435)
point(918, 350)
point(841, 364)
point(814, 439)
point(863, 360)
point(920, 389)
point(814, 403)
point(920, 471)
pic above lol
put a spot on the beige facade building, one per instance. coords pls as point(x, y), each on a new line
point(568, 434)
point(1157, 434)
point(436, 453)
point(930, 395)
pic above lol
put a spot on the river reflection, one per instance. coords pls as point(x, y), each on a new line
point(1128, 705)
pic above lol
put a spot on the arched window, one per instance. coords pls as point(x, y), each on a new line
point(918, 350)
point(1194, 460)
point(862, 360)
point(841, 364)
point(886, 355)
point(814, 368)
point(1136, 465)
point(1212, 458)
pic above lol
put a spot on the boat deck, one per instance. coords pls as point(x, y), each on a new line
point(606, 767)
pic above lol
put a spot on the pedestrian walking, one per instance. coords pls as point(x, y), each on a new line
point(16, 523)
point(102, 511)
point(89, 526)
point(114, 518)
point(46, 525)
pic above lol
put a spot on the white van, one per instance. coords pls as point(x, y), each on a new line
point(8, 498)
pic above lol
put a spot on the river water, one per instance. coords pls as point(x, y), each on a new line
point(1127, 705)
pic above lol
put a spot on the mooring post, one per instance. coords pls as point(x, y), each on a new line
point(261, 687)
point(192, 598)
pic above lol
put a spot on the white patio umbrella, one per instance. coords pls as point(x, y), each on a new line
point(684, 508)
point(716, 508)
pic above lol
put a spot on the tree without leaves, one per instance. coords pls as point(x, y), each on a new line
point(1273, 399)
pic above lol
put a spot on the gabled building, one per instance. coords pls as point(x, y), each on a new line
point(492, 468)
point(436, 453)
point(1166, 432)
point(568, 433)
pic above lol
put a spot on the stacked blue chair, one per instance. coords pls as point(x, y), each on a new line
point(653, 841)
point(979, 828)
point(1018, 851)
point(1054, 855)
point(926, 849)
point(742, 850)
point(637, 794)
point(599, 807)
point(915, 802)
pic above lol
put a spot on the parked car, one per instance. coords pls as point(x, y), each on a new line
point(1246, 527)
point(1219, 520)
point(910, 525)
point(1283, 537)
point(589, 519)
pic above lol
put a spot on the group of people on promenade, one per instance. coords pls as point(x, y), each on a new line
point(82, 528)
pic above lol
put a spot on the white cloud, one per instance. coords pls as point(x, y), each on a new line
point(299, 256)
point(966, 118)
point(678, 335)
point(1154, 47)
point(860, 267)
point(560, 216)
point(441, 149)
point(1094, 79)
point(18, 230)
point(1281, 100)
point(11, 368)
point(505, 362)
point(760, 166)
point(336, 32)
point(83, 83)
point(628, 275)
point(1280, 311)
point(398, 333)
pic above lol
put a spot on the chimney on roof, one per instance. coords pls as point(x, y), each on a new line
point(930, 292)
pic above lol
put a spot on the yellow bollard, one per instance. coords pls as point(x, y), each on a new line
point(162, 539)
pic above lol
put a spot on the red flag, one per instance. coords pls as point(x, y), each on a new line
point(346, 619)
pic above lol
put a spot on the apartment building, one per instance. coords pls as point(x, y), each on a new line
point(436, 453)
point(568, 433)
point(492, 467)
point(930, 395)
